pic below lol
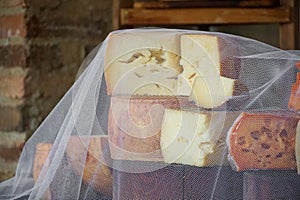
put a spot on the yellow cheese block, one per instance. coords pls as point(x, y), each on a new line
point(193, 138)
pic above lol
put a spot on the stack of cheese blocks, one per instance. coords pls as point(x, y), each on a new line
point(169, 93)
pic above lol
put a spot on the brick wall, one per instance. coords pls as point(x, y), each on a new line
point(13, 71)
point(42, 44)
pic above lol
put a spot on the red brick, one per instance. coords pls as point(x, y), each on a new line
point(11, 3)
point(12, 86)
point(11, 56)
point(10, 119)
point(12, 25)
point(77, 18)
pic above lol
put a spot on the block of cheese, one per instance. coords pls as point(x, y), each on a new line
point(213, 92)
point(142, 63)
point(90, 158)
point(165, 63)
point(294, 102)
point(211, 55)
point(134, 126)
point(194, 138)
point(263, 141)
point(297, 147)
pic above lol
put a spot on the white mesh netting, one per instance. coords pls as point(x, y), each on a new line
point(169, 114)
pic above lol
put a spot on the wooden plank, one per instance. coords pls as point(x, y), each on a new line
point(117, 6)
point(202, 3)
point(289, 32)
point(194, 16)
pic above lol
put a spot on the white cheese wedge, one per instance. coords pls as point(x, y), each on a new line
point(202, 52)
point(144, 72)
point(297, 148)
point(196, 139)
point(212, 92)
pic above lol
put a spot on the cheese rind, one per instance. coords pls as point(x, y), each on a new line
point(297, 147)
point(294, 102)
point(263, 141)
point(194, 138)
point(90, 159)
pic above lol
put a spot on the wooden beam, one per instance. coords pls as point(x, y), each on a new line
point(117, 6)
point(289, 32)
point(194, 16)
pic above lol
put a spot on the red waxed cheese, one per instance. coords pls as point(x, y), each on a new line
point(263, 141)
point(294, 103)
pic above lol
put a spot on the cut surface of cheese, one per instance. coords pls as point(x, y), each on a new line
point(123, 43)
point(134, 126)
point(297, 147)
point(186, 78)
point(207, 54)
point(144, 72)
point(142, 63)
point(263, 141)
point(165, 64)
point(215, 91)
point(194, 138)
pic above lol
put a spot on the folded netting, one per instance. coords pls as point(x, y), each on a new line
point(170, 114)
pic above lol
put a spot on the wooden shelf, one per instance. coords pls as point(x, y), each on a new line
point(194, 16)
point(132, 13)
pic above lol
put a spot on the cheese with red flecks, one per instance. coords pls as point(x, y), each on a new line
point(263, 141)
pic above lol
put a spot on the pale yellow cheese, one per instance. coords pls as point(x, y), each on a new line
point(212, 92)
point(142, 62)
point(193, 138)
point(122, 43)
point(202, 52)
point(186, 78)
point(144, 72)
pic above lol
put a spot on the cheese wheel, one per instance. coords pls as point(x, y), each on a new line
point(160, 63)
point(91, 155)
point(294, 102)
point(263, 141)
point(134, 126)
point(142, 63)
